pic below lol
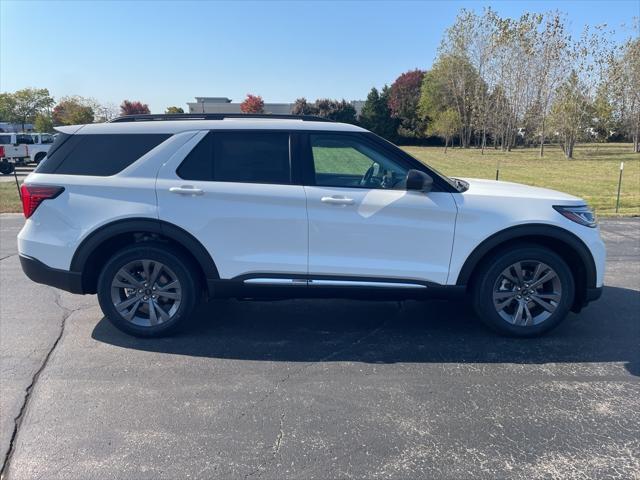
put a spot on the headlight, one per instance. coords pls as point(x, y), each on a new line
point(581, 214)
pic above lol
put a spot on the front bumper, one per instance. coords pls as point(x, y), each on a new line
point(41, 273)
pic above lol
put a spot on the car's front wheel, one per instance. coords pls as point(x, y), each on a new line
point(523, 291)
point(147, 291)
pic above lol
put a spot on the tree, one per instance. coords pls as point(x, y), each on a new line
point(376, 116)
point(252, 104)
point(74, 110)
point(336, 110)
point(43, 123)
point(7, 107)
point(571, 113)
point(445, 125)
point(173, 110)
point(404, 97)
point(624, 78)
point(29, 102)
point(134, 108)
point(451, 83)
point(302, 107)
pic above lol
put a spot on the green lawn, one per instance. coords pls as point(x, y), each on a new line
point(592, 175)
point(9, 200)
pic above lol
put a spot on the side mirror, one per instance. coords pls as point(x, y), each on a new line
point(420, 181)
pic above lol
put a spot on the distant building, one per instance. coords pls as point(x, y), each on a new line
point(15, 127)
point(225, 105)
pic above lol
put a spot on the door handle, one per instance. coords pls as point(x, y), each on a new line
point(186, 190)
point(337, 200)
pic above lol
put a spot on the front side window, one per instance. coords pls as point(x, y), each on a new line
point(244, 157)
point(46, 138)
point(346, 161)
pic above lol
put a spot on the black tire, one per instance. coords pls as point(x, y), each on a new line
point(174, 265)
point(489, 280)
point(39, 157)
point(6, 168)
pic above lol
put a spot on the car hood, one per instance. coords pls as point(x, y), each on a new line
point(493, 188)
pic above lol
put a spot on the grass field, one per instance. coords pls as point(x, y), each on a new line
point(592, 175)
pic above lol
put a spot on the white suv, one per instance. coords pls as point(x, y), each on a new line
point(154, 212)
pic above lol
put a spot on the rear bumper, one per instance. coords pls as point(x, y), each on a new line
point(41, 273)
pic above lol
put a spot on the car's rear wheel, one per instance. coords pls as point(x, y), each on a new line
point(39, 157)
point(6, 168)
point(148, 291)
point(524, 291)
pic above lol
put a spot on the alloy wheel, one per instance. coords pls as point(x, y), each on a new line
point(146, 293)
point(527, 293)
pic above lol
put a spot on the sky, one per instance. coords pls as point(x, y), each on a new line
point(168, 52)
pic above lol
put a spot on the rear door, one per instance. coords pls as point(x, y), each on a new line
point(234, 193)
point(364, 224)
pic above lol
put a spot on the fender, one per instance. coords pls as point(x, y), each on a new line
point(527, 231)
point(132, 225)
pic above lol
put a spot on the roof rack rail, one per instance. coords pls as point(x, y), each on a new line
point(213, 116)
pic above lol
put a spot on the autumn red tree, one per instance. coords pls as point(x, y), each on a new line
point(252, 104)
point(133, 108)
point(404, 96)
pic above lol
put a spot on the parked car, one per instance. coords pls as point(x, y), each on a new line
point(41, 144)
point(155, 212)
point(14, 150)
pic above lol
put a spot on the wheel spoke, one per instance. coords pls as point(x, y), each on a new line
point(130, 278)
point(528, 318)
point(157, 268)
point(549, 307)
point(153, 317)
point(519, 272)
point(170, 295)
point(549, 296)
point(517, 318)
point(164, 316)
point(550, 275)
point(130, 314)
point(169, 286)
point(509, 276)
point(503, 294)
point(122, 284)
point(126, 303)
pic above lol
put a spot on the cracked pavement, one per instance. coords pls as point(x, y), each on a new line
point(319, 389)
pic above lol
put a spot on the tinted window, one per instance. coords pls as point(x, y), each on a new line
point(5, 139)
point(98, 155)
point(249, 157)
point(344, 161)
point(28, 139)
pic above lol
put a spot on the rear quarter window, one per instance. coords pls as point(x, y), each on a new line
point(97, 155)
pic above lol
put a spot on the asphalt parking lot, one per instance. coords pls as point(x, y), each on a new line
point(319, 389)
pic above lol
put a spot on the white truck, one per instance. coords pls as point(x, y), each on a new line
point(14, 150)
point(20, 148)
point(41, 144)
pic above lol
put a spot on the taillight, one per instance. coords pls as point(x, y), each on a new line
point(34, 195)
point(1, 152)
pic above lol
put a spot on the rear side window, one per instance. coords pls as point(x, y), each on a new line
point(97, 155)
point(245, 157)
point(5, 139)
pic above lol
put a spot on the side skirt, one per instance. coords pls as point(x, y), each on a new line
point(278, 286)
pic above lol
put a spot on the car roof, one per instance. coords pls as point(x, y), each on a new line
point(177, 126)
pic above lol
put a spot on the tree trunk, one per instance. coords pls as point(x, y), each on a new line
point(446, 144)
point(542, 140)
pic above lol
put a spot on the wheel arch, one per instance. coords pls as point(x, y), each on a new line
point(100, 244)
point(566, 244)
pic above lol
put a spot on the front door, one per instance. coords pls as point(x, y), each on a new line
point(364, 224)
